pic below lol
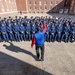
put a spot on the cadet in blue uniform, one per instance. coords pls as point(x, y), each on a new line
point(66, 32)
point(73, 32)
point(27, 32)
point(0, 35)
point(59, 30)
point(16, 32)
point(9, 31)
point(48, 32)
point(22, 32)
point(4, 32)
point(33, 30)
point(53, 31)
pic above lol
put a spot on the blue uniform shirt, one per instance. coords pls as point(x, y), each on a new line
point(39, 38)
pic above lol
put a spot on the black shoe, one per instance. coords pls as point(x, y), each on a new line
point(38, 55)
point(41, 59)
point(71, 41)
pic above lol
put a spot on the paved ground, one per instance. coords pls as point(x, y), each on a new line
point(18, 58)
point(43, 14)
point(51, 14)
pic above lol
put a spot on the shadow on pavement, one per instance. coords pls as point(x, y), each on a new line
point(12, 66)
point(14, 48)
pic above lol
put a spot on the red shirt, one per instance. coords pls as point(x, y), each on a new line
point(34, 39)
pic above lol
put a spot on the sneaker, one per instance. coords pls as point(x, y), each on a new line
point(41, 59)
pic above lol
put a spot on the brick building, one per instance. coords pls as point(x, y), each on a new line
point(72, 7)
point(37, 6)
point(7, 7)
point(41, 6)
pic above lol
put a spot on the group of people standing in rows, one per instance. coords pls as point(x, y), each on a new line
point(24, 28)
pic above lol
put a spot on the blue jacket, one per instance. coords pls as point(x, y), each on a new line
point(21, 29)
point(27, 29)
point(73, 29)
point(3, 28)
point(15, 28)
point(59, 29)
point(67, 28)
point(48, 28)
point(9, 29)
point(33, 29)
point(53, 29)
point(39, 38)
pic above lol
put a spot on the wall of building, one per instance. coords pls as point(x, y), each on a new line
point(36, 6)
point(21, 5)
point(7, 7)
point(45, 5)
point(72, 7)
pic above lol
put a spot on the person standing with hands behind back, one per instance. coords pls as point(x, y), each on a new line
point(38, 39)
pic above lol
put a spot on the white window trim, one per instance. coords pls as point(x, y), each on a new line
point(34, 2)
point(50, 3)
point(40, 2)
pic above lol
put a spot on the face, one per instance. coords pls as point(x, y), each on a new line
point(74, 24)
point(2, 24)
point(21, 25)
point(59, 24)
point(66, 24)
point(8, 21)
point(32, 24)
point(14, 23)
point(52, 25)
point(8, 24)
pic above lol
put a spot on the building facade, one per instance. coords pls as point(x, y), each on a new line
point(7, 7)
point(37, 6)
point(72, 7)
point(41, 6)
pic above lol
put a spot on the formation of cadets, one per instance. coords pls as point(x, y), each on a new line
point(24, 28)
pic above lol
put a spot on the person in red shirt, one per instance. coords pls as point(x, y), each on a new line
point(38, 41)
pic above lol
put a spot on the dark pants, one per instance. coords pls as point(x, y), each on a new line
point(38, 52)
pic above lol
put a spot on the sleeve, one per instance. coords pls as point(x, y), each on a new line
point(33, 41)
point(44, 27)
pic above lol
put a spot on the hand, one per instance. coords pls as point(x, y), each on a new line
point(15, 32)
point(22, 32)
point(31, 46)
point(3, 32)
point(11, 32)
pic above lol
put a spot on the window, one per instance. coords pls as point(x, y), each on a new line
point(2, 7)
point(11, 8)
point(29, 2)
point(9, 1)
point(40, 3)
point(40, 8)
point(50, 7)
point(7, 8)
point(29, 8)
point(5, 0)
point(14, 1)
point(72, 3)
point(51, 3)
point(46, 3)
point(67, 3)
point(45, 7)
point(34, 2)
point(56, 2)
point(35, 8)
point(74, 9)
